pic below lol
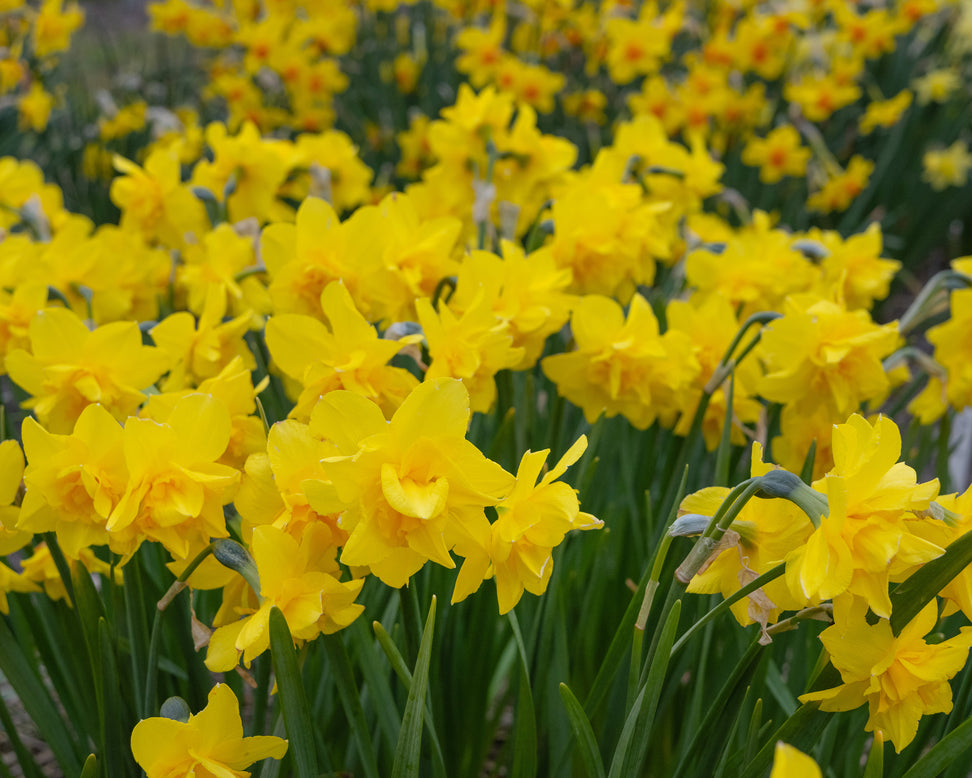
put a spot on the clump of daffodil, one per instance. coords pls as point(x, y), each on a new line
point(348, 354)
point(70, 367)
point(531, 521)
point(411, 487)
point(299, 576)
point(900, 678)
point(622, 364)
point(842, 187)
point(943, 168)
point(209, 743)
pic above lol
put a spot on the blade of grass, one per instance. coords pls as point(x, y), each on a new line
point(409, 747)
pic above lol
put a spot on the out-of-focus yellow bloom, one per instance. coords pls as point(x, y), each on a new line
point(531, 521)
point(70, 367)
point(622, 365)
point(406, 70)
point(12, 538)
point(410, 488)
point(35, 108)
point(777, 155)
point(951, 342)
point(127, 120)
point(336, 172)
point(481, 50)
point(841, 190)
point(821, 353)
point(885, 113)
point(154, 201)
point(413, 144)
point(819, 96)
point(39, 568)
point(210, 743)
point(936, 86)
point(943, 168)
point(54, 26)
point(300, 577)
point(900, 678)
point(711, 325)
point(788, 762)
point(855, 266)
point(588, 106)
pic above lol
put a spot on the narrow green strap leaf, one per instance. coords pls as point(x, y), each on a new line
point(921, 587)
point(37, 702)
point(806, 472)
point(405, 676)
point(351, 701)
point(409, 747)
point(115, 728)
point(633, 743)
point(293, 700)
point(525, 731)
point(752, 737)
point(376, 679)
point(25, 760)
point(721, 477)
point(586, 741)
point(91, 767)
point(948, 751)
point(800, 730)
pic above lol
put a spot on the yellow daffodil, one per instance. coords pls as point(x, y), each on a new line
point(209, 745)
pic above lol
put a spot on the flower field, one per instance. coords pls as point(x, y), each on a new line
point(487, 388)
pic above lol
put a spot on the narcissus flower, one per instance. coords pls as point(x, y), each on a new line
point(622, 365)
point(900, 678)
point(788, 762)
point(70, 367)
point(777, 155)
point(943, 168)
point(411, 487)
point(298, 576)
point(209, 745)
point(531, 521)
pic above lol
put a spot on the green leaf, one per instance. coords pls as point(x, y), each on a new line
point(351, 701)
point(409, 746)
point(37, 702)
point(948, 751)
point(525, 731)
point(721, 477)
point(586, 741)
point(633, 743)
point(115, 728)
point(91, 767)
point(25, 760)
point(875, 759)
point(915, 592)
point(293, 700)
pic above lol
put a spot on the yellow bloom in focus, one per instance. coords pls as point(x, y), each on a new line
point(35, 108)
point(622, 365)
point(819, 352)
point(943, 168)
point(347, 355)
point(209, 745)
point(885, 113)
point(176, 490)
point(789, 762)
point(73, 482)
point(212, 267)
point(839, 191)
point(761, 536)
point(70, 367)
point(865, 542)
point(532, 520)
point(777, 155)
point(410, 488)
point(298, 576)
point(900, 678)
point(473, 347)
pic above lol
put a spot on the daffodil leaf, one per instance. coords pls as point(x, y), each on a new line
point(923, 586)
point(950, 750)
point(115, 733)
point(525, 731)
point(293, 700)
point(633, 743)
point(584, 733)
point(351, 700)
point(409, 747)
